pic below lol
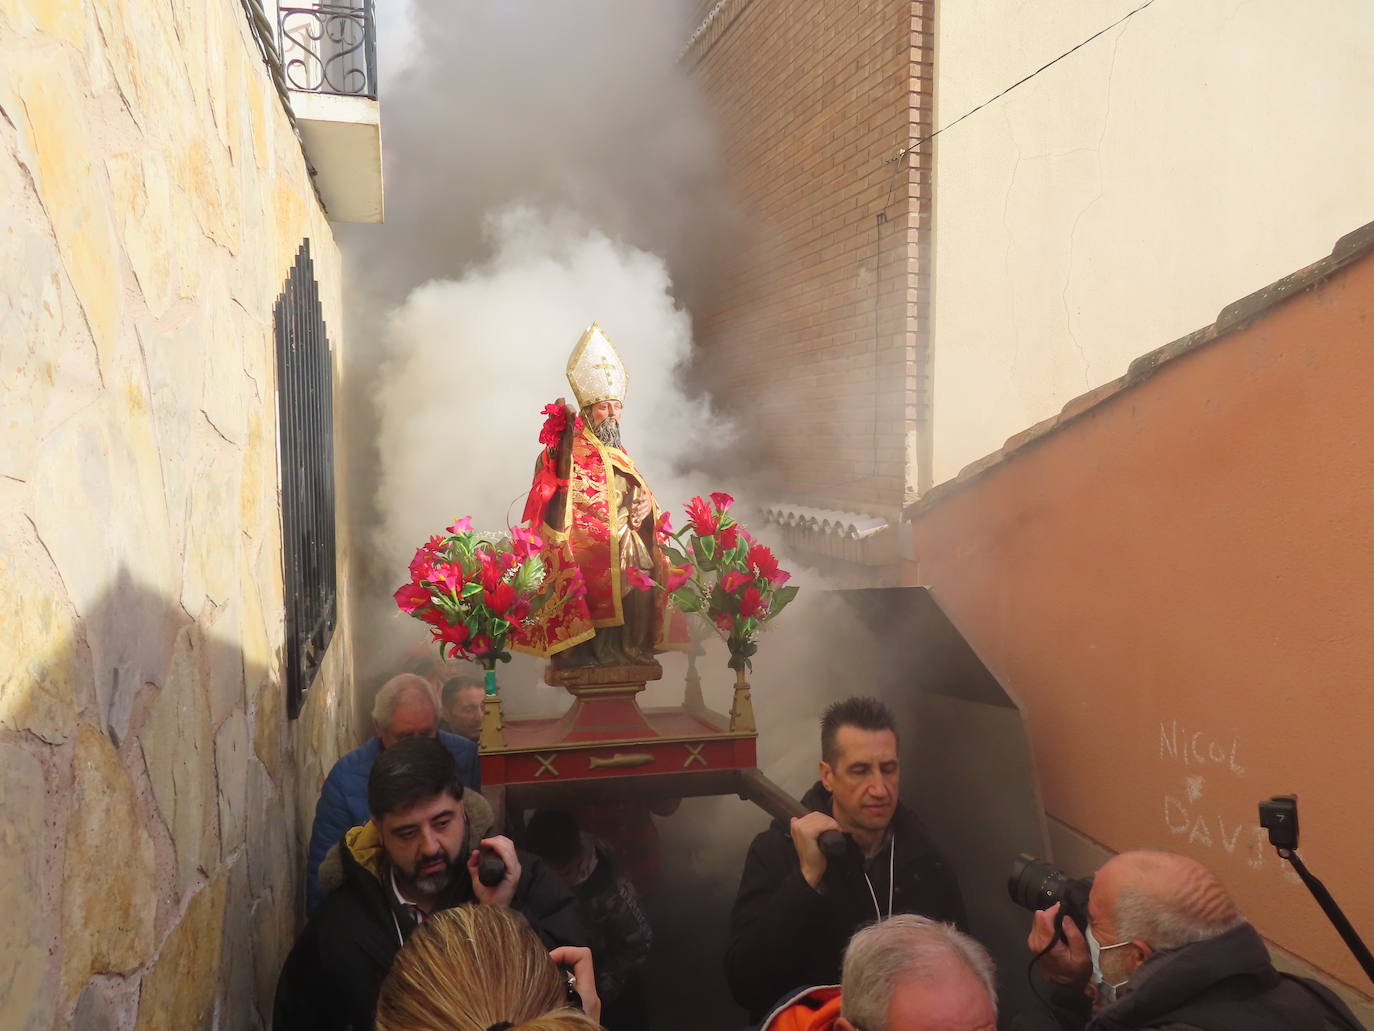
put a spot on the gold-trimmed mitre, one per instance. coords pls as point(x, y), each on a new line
point(595, 371)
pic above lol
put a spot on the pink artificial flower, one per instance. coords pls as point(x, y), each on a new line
point(779, 578)
point(525, 542)
point(480, 646)
point(450, 574)
point(677, 577)
point(639, 579)
point(463, 525)
point(422, 565)
point(664, 527)
point(734, 580)
point(411, 597)
point(725, 622)
point(721, 500)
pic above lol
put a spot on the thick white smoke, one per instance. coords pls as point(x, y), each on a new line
point(472, 361)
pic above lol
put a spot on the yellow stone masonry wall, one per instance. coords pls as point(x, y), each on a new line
point(153, 796)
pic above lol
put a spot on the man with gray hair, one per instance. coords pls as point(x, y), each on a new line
point(1167, 949)
point(404, 708)
point(906, 973)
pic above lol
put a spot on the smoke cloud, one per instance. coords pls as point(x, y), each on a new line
point(472, 361)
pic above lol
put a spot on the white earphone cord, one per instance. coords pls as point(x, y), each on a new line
point(891, 866)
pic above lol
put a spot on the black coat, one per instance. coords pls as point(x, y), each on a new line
point(1226, 983)
point(334, 972)
point(784, 934)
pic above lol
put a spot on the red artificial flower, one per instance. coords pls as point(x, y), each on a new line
point(411, 597)
point(721, 500)
point(729, 537)
point(463, 525)
point(435, 544)
point(762, 561)
point(725, 622)
point(779, 577)
point(480, 646)
point(751, 605)
point(510, 560)
point(434, 617)
point(677, 577)
point(639, 579)
point(703, 517)
point(491, 570)
point(554, 425)
point(734, 580)
point(452, 634)
point(501, 599)
point(519, 612)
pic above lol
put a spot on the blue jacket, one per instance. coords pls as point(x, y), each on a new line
point(343, 800)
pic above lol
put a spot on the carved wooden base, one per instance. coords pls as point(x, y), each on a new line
point(604, 707)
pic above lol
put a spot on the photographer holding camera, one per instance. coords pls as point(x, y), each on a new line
point(1163, 946)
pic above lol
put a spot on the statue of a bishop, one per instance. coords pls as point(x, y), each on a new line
point(599, 520)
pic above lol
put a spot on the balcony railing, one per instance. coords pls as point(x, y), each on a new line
point(329, 48)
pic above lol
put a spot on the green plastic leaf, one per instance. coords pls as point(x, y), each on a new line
point(781, 597)
point(471, 590)
point(687, 600)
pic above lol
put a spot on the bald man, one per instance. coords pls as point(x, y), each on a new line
point(404, 708)
point(1167, 949)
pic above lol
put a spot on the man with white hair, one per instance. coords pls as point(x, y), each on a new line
point(906, 973)
point(404, 708)
point(1168, 950)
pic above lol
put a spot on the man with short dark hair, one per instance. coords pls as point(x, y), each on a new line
point(403, 708)
point(1168, 950)
point(906, 973)
point(795, 909)
point(416, 856)
point(462, 706)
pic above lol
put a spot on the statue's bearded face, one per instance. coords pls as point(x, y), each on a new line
point(604, 419)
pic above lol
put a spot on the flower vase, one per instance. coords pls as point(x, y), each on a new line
point(492, 736)
point(742, 709)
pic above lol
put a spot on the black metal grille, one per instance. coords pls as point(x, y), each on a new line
point(305, 411)
point(330, 47)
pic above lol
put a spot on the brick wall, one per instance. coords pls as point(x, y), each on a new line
point(814, 336)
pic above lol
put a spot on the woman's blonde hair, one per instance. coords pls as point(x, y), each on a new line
point(472, 968)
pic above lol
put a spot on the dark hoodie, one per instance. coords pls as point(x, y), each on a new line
point(1226, 983)
point(784, 934)
point(331, 978)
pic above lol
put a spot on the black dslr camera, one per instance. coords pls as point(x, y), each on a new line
point(1034, 884)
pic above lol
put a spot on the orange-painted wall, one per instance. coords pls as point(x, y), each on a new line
point(1178, 586)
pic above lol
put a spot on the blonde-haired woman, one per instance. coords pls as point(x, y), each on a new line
point(482, 968)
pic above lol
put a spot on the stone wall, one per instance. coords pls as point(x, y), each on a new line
point(154, 799)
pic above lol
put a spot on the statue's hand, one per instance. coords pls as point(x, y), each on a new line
point(641, 511)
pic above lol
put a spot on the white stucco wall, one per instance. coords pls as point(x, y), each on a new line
point(1121, 198)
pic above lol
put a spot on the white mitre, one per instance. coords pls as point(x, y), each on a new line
point(595, 371)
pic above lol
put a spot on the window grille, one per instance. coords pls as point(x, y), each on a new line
point(305, 413)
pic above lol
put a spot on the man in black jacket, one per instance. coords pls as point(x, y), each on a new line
point(796, 910)
point(1168, 950)
point(418, 855)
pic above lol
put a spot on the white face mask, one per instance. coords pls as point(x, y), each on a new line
point(1106, 990)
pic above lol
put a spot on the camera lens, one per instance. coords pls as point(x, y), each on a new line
point(1035, 884)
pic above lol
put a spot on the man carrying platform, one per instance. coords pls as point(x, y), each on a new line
point(796, 910)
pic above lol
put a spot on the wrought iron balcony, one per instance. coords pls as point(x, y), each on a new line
point(329, 47)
